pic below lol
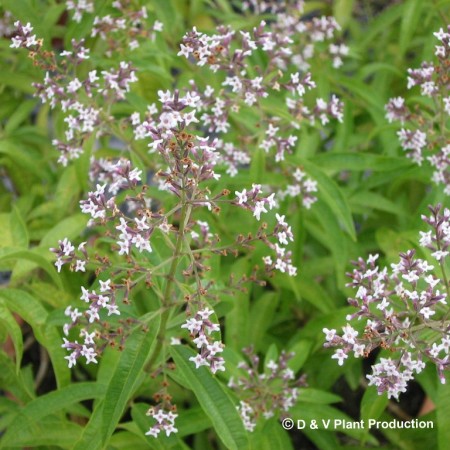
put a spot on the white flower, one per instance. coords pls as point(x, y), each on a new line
point(349, 334)
point(199, 361)
point(340, 355)
point(201, 341)
point(242, 196)
point(259, 208)
point(105, 285)
point(439, 254)
point(112, 309)
point(427, 312)
point(80, 266)
point(160, 416)
point(383, 305)
point(329, 334)
point(193, 325)
point(215, 347)
point(72, 359)
point(154, 431)
point(205, 313)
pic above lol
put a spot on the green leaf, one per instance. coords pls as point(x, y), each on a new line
point(57, 298)
point(70, 227)
point(67, 189)
point(52, 15)
point(192, 421)
point(301, 349)
point(372, 405)
point(323, 439)
point(342, 10)
point(369, 97)
point(310, 395)
point(213, 399)
point(327, 230)
point(379, 25)
point(91, 437)
point(14, 331)
point(359, 162)
point(126, 440)
point(237, 330)
point(18, 81)
point(331, 193)
point(377, 67)
point(51, 433)
point(315, 294)
point(443, 416)
point(371, 200)
point(262, 313)
point(8, 410)
point(9, 253)
point(22, 112)
point(15, 383)
point(412, 15)
point(271, 437)
point(20, 155)
point(29, 418)
point(19, 230)
point(6, 238)
point(126, 377)
point(258, 166)
point(33, 313)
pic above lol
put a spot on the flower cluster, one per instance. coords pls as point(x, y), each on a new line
point(87, 349)
point(266, 394)
point(86, 102)
point(304, 33)
point(126, 23)
point(133, 232)
point(147, 226)
point(230, 52)
point(84, 116)
point(152, 220)
point(248, 85)
point(300, 186)
point(424, 134)
point(97, 335)
point(65, 254)
point(24, 38)
point(253, 201)
point(165, 421)
point(162, 129)
point(231, 157)
point(79, 7)
point(405, 311)
point(129, 24)
point(200, 328)
point(116, 174)
point(188, 162)
point(269, 6)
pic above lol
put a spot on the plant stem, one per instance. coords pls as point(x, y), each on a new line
point(186, 210)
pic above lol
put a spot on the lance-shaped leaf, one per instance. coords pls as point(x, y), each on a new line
point(213, 399)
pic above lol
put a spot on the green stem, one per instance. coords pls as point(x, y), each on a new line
point(444, 276)
point(166, 302)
